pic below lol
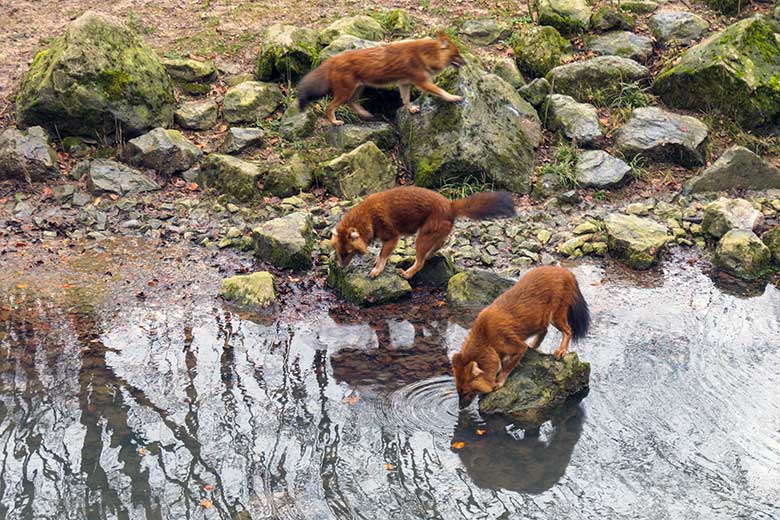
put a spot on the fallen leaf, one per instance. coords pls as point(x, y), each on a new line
point(481, 432)
point(206, 503)
point(21, 286)
point(47, 193)
point(193, 186)
point(141, 451)
point(114, 196)
point(352, 399)
point(389, 467)
point(208, 487)
point(458, 445)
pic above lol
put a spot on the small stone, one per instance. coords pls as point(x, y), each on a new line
point(638, 6)
point(81, 199)
point(348, 137)
point(345, 42)
point(362, 171)
point(190, 70)
point(772, 240)
point(231, 176)
point(536, 91)
point(741, 253)
point(725, 214)
point(638, 242)
point(569, 247)
point(483, 31)
point(251, 289)
point(678, 27)
point(586, 228)
point(106, 176)
point(285, 242)
point(238, 139)
point(26, 155)
point(250, 102)
point(475, 288)
point(543, 236)
point(197, 115)
point(291, 177)
point(64, 192)
point(638, 208)
point(506, 69)
point(576, 121)
point(663, 136)
point(75, 147)
point(598, 169)
point(622, 43)
point(166, 151)
point(296, 125)
point(360, 26)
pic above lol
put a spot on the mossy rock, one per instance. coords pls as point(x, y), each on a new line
point(475, 288)
point(538, 388)
point(349, 137)
point(637, 242)
point(397, 22)
point(772, 240)
point(737, 168)
point(290, 178)
point(736, 71)
point(287, 53)
point(568, 16)
point(726, 6)
point(491, 135)
point(162, 150)
point(343, 43)
point(98, 78)
point(606, 18)
point(362, 171)
point(361, 26)
point(436, 272)
point(256, 289)
point(638, 6)
point(296, 125)
point(596, 80)
point(231, 176)
point(724, 214)
point(353, 284)
point(197, 115)
point(190, 70)
point(742, 254)
point(539, 49)
point(251, 101)
point(506, 69)
point(285, 242)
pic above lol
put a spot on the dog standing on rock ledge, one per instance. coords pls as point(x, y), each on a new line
point(403, 211)
point(401, 64)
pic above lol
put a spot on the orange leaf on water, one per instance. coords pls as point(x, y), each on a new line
point(142, 451)
point(352, 399)
point(208, 487)
point(481, 432)
point(193, 186)
point(206, 503)
point(389, 467)
point(458, 445)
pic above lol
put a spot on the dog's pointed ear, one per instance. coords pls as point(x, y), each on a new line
point(475, 370)
point(353, 233)
point(444, 41)
point(457, 360)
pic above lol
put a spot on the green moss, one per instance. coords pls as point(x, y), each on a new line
point(113, 83)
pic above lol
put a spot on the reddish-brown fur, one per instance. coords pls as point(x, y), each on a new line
point(399, 64)
point(497, 341)
point(404, 211)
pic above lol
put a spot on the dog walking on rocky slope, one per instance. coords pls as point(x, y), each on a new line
point(401, 64)
point(403, 211)
point(497, 341)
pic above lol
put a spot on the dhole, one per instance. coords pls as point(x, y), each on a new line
point(403, 64)
point(403, 211)
point(497, 341)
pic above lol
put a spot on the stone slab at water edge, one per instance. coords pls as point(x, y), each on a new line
point(724, 214)
point(538, 388)
point(742, 254)
point(26, 155)
point(256, 289)
point(285, 242)
point(353, 284)
point(737, 168)
point(663, 136)
point(476, 288)
point(638, 242)
point(95, 79)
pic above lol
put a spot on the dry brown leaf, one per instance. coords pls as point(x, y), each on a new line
point(206, 503)
point(389, 467)
point(208, 487)
point(352, 399)
point(481, 432)
point(458, 445)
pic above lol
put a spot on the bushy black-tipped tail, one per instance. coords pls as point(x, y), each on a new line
point(313, 86)
point(578, 315)
point(485, 205)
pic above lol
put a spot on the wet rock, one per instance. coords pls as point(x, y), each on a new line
point(348, 137)
point(287, 52)
point(354, 285)
point(362, 171)
point(622, 43)
point(536, 91)
point(197, 115)
point(166, 151)
point(361, 26)
point(772, 240)
point(539, 49)
point(638, 6)
point(251, 101)
point(285, 242)
point(506, 69)
point(493, 133)
point(436, 272)
point(106, 176)
point(596, 79)
point(256, 289)
point(483, 31)
point(737, 168)
point(663, 136)
point(598, 169)
point(26, 155)
point(678, 27)
point(238, 139)
point(75, 146)
point(231, 176)
point(573, 246)
point(98, 77)
point(475, 288)
point(343, 43)
point(576, 121)
point(742, 254)
point(290, 178)
point(636, 241)
point(296, 125)
point(568, 16)
point(605, 18)
point(538, 388)
point(725, 214)
point(397, 21)
point(746, 57)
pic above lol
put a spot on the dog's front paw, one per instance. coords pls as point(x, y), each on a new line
point(413, 109)
point(498, 385)
point(373, 273)
point(559, 354)
point(455, 99)
point(337, 122)
point(404, 274)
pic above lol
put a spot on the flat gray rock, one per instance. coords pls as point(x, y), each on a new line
point(238, 139)
point(26, 155)
point(622, 43)
point(663, 136)
point(576, 121)
point(106, 176)
point(596, 79)
point(737, 168)
point(197, 115)
point(680, 27)
point(251, 101)
point(166, 151)
point(724, 214)
point(598, 169)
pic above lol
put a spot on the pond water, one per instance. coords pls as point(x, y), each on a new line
point(181, 408)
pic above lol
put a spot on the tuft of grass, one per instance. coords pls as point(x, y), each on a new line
point(638, 167)
point(564, 160)
point(721, 124)
point(631, 96)
point(458, 188)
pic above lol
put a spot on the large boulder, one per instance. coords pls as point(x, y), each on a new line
point(475, 288)
point(608, 17)
point(576, 121)
point(663, 136)
point(736, 71)
point(285, 242)
point(197, 115)
point(238, 139)
point(360, 26)
point(772, 240)
point(483, 31)
point(348, 137)
point(724, 214)
point(596, 80)
point(166, 151)
point(256, 289)
point(106, 176)
point(677, 27)
point(397, 21)
point(622, 43)
point(568, 16)
point(598, 169)
point(362, 171)
point(637, 242)
point(231, 176)
point(251, 101)
point(26, 155)
point(343, 43)
point(296, 124)
point(538, 388)
point(741, 253)
point(492, 134)
point(539, 49)
point(97, 79)
point(353, 284)
point(287, 52)
point(289, 178)
point(737, 168)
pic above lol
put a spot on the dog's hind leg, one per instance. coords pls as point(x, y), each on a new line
point(357, 107)
point(561, 323)
point(430, 237)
